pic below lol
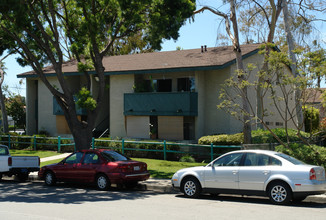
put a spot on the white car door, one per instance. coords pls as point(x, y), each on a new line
point(224, 172)
point(255, 171)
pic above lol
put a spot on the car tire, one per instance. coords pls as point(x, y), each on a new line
point(191, 187)
point(279, 193)
point(102, 182)
point(49, 178)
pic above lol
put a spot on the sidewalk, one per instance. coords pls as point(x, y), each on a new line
point(160, 185)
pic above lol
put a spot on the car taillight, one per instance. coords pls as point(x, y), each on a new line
point(312, 174)
point(124, 168)
point(9, 161)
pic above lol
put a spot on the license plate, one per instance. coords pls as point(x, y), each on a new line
point(136, 168)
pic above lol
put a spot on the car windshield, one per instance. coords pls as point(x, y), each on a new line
point(290, 159)
point(114, 156)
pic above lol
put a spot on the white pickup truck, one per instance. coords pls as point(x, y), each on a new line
point(17, 165)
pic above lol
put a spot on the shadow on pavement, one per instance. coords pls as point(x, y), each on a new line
point(255, 200)
point(37, 192)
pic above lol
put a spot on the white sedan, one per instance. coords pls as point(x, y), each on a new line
point(253, 172)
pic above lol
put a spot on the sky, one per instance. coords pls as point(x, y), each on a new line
point(202, 31)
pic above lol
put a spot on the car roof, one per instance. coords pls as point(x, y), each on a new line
point(256, 151)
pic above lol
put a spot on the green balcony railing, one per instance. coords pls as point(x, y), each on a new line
point(163, 104)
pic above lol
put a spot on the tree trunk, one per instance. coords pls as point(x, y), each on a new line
point(3, 106)
point(240, 67)
point(297, 91)
point(276, 10)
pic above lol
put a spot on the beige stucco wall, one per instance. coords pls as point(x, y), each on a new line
point(119, 84)
point(47, 121)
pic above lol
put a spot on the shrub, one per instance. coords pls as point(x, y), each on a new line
point(264, 136)
point(258, 137)
point(313, 154)
point(187, 158)
point(222, 139)
point(311, 118)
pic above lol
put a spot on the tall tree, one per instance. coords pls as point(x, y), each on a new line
point(48, 30)
point(235, 38)
point(295, 72)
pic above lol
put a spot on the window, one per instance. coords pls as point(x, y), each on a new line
point(290, 159)
point(114, 156)
point(3, 151)
point(74, 158)
point(186, 84)
point(91, 158)
point(229, 160)
point(279, 123)
point(164, 85)
point(253, 159)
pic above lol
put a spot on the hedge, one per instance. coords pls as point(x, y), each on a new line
point(312, 154)
point(258, 137)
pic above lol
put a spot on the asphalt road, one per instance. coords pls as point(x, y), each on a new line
point(34, 200)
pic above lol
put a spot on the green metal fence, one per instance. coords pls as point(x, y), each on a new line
point(164, 148)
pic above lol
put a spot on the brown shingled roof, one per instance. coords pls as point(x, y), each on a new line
point(217, 56)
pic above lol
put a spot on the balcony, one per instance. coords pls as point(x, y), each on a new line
point(58, 111)
point(163, 104)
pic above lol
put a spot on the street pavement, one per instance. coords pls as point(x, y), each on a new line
point(159, 185)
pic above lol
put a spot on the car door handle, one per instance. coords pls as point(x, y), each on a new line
point(235, 172)
point(266, 172)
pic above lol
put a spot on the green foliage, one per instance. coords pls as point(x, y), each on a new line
point(264, 136)
point(16, 109)
point(25, 142)
point(258, 137)
point(222, 139)
point(315, 155)
point(311, 118)
point(187, 158)
point(85, 99)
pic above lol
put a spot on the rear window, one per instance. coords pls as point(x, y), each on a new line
point(114, 156)
point(290, 159)
point(3, 151)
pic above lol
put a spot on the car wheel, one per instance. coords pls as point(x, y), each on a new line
point(191, 187)
point(279, 193)
point(102, 182)
point(49, 178)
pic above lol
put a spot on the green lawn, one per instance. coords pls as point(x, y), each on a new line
point(41, 154)
point(163, 169)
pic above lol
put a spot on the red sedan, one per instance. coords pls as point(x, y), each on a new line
point(102, 167)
